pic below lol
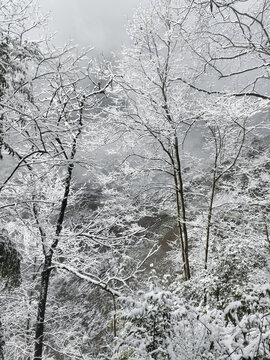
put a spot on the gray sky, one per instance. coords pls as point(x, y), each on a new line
point(97, 23)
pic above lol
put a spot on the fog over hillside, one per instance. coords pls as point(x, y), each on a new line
point(101, 24)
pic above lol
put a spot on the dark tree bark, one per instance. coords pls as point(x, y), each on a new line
point(45, 277)
point(2, 342)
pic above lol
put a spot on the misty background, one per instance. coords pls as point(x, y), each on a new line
point(99, 24)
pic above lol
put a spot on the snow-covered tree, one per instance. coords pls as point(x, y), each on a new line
point(194, 162)
point(181, 134)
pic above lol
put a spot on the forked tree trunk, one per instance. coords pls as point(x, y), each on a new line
point(45, 276)
point(46, 271)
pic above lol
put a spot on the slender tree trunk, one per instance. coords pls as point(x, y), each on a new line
point(114, 325)
point(28, 323)
point(1, 133)
point(218, 146)
point(209, 218)
point(45, 276)
point(2, 343)
point(266, 231)
point(179, 226)
point(183, 209)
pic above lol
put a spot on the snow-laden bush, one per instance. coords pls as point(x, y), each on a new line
point(158, 325)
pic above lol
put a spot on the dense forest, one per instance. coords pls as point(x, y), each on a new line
point(134, 191)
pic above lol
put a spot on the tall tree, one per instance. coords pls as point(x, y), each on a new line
point(167, 116)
